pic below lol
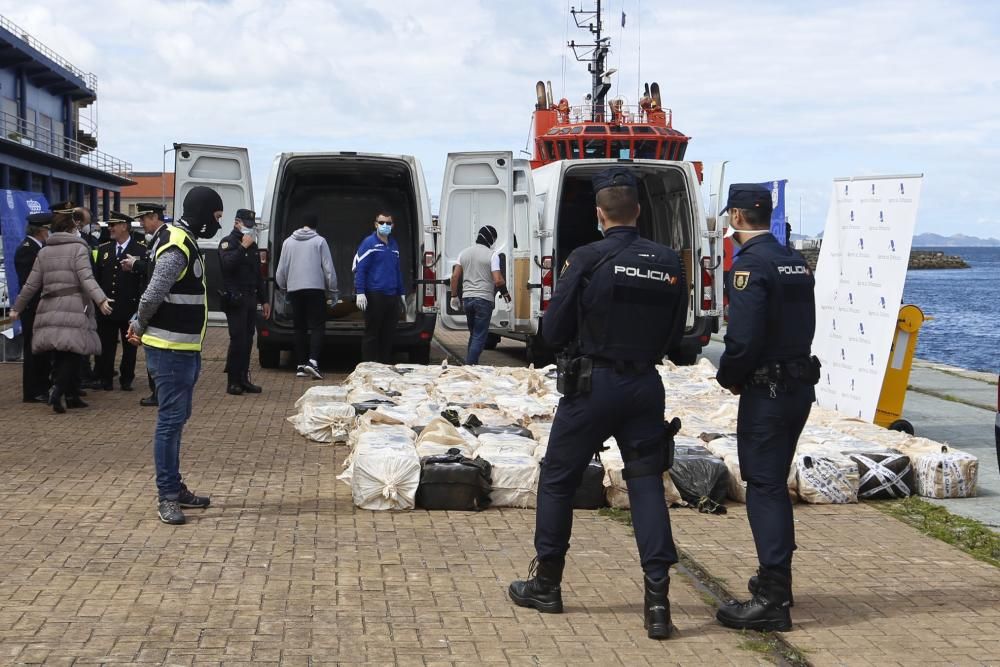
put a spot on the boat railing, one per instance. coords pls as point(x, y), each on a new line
point(46, 139)
point(626, 114)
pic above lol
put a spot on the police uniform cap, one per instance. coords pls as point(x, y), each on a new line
point(748, 196)
point(63, 206)
point(247, 217)
point(40, 219)
point(613, 178)
point(116, 217)
point(144, 208)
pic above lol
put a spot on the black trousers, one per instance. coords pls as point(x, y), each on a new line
point(35, 368)
point(767, 431)
point(381, 317)
point(240, 315)
point(630, 408)
point(309, 316)
point(66, 368)
point(112, 332)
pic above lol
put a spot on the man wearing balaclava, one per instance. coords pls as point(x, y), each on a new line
point(478, 270)
point(170, 324)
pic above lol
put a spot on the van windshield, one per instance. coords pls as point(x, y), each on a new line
point(345, 195)
point(665, 211)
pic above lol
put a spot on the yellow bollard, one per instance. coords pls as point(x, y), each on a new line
point(889, 411)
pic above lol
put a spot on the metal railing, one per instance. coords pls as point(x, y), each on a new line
point(89, 78)
point(26, 133)
point(630, 114)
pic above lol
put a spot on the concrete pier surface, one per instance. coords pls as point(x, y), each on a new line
point(283, 569)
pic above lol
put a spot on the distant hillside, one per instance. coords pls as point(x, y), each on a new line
point(954, 241)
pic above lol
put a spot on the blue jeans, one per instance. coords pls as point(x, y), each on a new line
point(175, 374)
point(477, 315)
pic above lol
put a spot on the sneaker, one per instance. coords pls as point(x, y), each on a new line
point(311, 369)
point(301, 371)
point(170, 512)
point(187, 499)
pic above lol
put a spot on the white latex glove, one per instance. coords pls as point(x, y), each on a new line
point(456, 303)
point(361, 302)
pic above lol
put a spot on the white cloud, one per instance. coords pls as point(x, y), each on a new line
point(806, 91)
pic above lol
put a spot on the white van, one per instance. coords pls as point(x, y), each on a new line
point(344, 190)
point(542, 215)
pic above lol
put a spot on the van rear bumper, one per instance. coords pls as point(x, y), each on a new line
point(409, 335)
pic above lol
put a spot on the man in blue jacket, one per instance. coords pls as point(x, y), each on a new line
point(378, 282)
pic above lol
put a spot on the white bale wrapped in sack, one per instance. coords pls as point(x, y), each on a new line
point(723, 446)
point(439, 436)
point(503, 444)
point(515, 479)
point(325, 422)
point(384, 474)
point(323, 395)
point(940, 471)
point(826, 480)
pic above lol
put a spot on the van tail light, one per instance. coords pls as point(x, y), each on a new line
point(547, 278)
point(263, 264)
point(707, 285)
point(430, 278)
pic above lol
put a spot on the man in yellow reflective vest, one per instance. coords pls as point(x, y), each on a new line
point(170, 324)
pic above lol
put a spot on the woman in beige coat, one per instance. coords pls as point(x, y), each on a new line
point(65, 323)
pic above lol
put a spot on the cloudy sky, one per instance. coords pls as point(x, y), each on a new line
point(801, 89)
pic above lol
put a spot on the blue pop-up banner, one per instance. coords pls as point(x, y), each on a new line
point(14, 209)
point(778, 229)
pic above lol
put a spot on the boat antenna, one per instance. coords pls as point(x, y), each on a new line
point(621, 41)
point(638, 43)
point(562, 93)
point(595, 56)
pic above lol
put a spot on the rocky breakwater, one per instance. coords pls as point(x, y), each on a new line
point(919, 259)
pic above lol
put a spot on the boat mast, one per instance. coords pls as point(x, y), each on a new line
point(595, 56)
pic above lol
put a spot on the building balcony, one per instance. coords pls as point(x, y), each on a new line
point(44, 67)
point(27, 135)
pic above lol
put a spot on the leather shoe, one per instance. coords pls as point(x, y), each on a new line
point(81, 393)
point(149, 402)
point(41, 398)
point(250, 387)
point(127, 386)
point(75, 402)
point(235, 389)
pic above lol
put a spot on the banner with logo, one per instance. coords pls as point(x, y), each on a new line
point(859, 286)
point(778, 228)
point(14, 209)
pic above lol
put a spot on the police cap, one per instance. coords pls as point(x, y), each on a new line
point(247, 217)
point(40, 219)
point(116, 217)
point(145, 208)
point(63, 206)
point(613, 178)
point(749, 196)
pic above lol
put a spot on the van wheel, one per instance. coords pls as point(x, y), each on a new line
point(420, 355)
point(270, 357)
point(492, 340)
point(902, 426)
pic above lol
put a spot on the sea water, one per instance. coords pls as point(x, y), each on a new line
point(965, 305)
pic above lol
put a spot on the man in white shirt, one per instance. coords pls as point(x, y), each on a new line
point(478, 269)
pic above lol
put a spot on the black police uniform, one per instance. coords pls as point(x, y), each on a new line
point(767, 360)
point(622, 302)
point(242, 290)
point(36, 367)
point(125, 288)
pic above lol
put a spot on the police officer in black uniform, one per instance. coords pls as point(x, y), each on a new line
point(767, 362)
point(150, 216)
point(124, 289)
point(620, 305)
point(35, 368)
point(242, 289)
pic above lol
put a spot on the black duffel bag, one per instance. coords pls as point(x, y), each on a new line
point(590, 494)
point(511, 429)
point(454, 482)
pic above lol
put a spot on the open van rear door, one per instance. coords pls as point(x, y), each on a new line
point(226, 170)
point(477, 191)
point(526, 247)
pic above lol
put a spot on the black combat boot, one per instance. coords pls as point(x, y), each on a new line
point(767, 610)
point(75, 402)
point(541, 590)
point(656, 613)
point(56, 399)
point(753, 585)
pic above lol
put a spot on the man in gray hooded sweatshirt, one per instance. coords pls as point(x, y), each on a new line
point(305, 271)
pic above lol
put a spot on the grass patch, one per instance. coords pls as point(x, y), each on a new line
point(619, 515)
point(767, 645)
point(969, 535)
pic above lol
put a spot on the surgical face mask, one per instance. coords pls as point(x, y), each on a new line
point(248, 231)
point(732, 231)
point(149, 237)
point(385, 229)
point(600, 229)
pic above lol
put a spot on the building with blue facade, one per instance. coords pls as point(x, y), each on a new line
point(48, 129)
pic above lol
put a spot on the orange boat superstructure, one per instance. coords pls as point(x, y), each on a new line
point(602, 128)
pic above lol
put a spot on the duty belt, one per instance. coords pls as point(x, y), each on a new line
point(775, 374)
point(621, 366)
